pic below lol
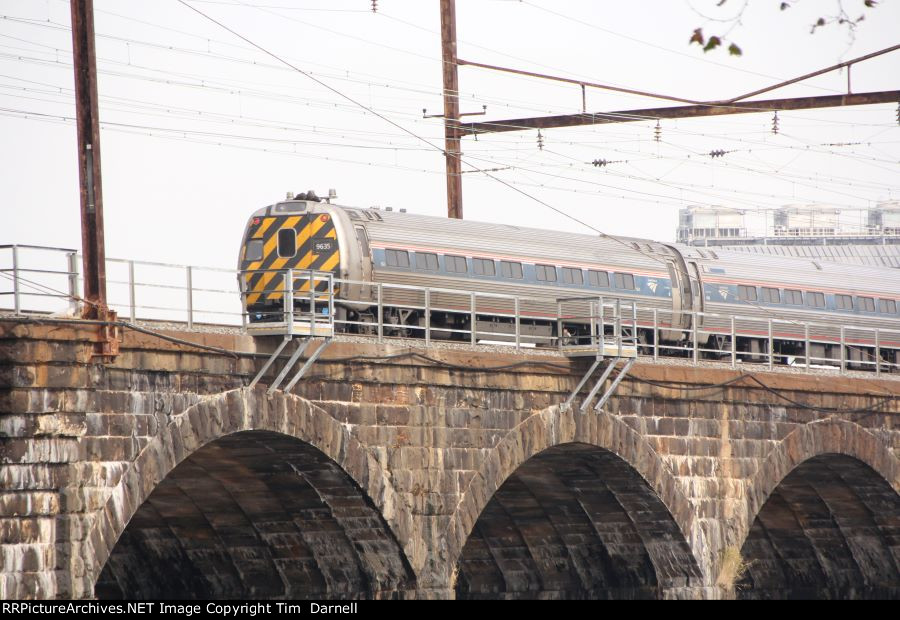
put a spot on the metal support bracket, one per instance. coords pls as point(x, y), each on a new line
point(270, 361)
point(568, 402)
point(287, 367)
point(615, 384)
point(599, 384)
point(306, 366)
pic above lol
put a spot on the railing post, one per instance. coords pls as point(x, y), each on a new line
point(559, 327)
point(877, 352)
point(618, 327)
point(15, 263)
point(427, 317)
point(288, 298)
point(190, 297)
point(73, 278)
point(733, 344)
point(843, 351)
point(380, 312)
point(132, 299)
point(655, 334)
point(312, 301)
point(518, 327)
point(771, 347)
point(694, 336)
point(806, 343)
point(472, 318)
point(331, 317)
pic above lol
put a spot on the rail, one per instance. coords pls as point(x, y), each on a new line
point(46, 280)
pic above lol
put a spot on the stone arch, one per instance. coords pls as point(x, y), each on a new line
point(823, 512)
point(603, 433)
point(214, 419)
point(831, 436)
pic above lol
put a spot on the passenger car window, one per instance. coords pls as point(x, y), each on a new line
point(888, 306)
point(455, 264)
point(815, 300)
point(771, 295)
point(793, 297)
point(747, 293)
point(572, 276)
point(624, 281)
point(866, 304)
point(545, 273)
point(511, 270)
point(483, 266)
point(843, 302)
point(598, 279)
point(427, 261)
point(397, 258)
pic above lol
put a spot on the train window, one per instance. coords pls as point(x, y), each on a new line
point(843, 302)
point(294, 206)
point(287, 242)
point(545, 273)
point(598, 279)
point(427, 261)
point(511, 270)
point(484, 266)
point(397, 258)
point(888, 306)
point(793, 297)
point(866, 304)
point(455, 264)
point(747, 293)
point(624, 280)
point(815, 300)
point(770, 295)
point(254, 250)
point(572, 276)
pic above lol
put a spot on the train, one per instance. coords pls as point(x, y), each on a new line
point(765, 307)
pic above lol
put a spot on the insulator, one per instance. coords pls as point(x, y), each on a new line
point(775, 123)
point(540, 140)
point(600, 163)
point(374, 6)
point(716, 153)
point(657, 131)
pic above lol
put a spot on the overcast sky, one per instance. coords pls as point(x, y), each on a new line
point(200, 129)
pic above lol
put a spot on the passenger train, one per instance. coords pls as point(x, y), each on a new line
point(844, 313)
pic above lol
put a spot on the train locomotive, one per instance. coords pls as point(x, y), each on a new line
point(811, 301)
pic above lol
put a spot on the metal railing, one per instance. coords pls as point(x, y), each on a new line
point(37, 279)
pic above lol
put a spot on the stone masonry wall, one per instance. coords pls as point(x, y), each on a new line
point(429, 441)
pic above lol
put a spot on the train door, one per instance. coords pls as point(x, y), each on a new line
point(697, 291)
point(682, 297)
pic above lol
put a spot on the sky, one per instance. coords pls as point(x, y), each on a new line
point(200, 128)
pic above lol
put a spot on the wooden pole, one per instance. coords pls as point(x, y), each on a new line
point(451, 109)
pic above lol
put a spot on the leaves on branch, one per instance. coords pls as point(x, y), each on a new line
point(840, 18)
point(712, 43)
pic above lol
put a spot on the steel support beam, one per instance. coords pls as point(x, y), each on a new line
point(688, 111)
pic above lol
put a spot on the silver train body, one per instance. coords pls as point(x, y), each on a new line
point(545, 266)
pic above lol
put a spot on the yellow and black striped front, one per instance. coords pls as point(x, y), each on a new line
point(275, 243)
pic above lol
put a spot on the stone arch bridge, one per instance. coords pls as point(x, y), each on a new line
point(397, 472)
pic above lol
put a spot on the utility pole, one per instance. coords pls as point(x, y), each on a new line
point(88, 124)
point(451, 109)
